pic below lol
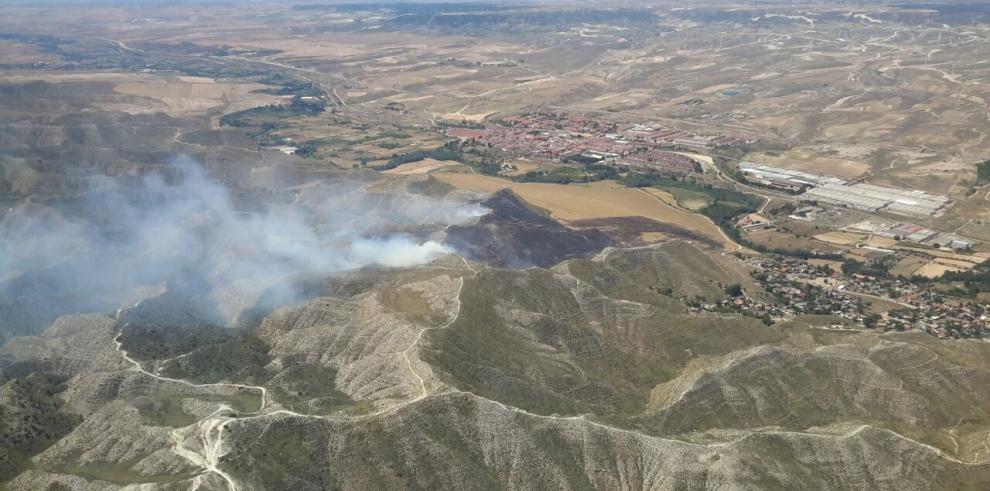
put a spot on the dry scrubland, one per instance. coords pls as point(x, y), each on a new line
point(186, 97)
point(884, 97)
point(174, 95)
point(591, 373)
point(898, 102)
point(408, 369)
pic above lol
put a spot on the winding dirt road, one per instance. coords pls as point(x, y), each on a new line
point(202, 443)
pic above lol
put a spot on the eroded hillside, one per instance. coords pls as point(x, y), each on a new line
point(458, 374)
point(462, 245)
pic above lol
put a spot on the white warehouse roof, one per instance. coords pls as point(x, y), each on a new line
point(878, 198)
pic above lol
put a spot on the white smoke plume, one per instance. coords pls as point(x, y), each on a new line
point(166, 230)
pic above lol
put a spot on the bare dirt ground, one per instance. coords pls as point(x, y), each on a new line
point(842, 238)
point(934, 269)
point(422, 167)
point(809, 162)
point(173, 95)
point(775, 239)
point(521, 167)
point(185, 97)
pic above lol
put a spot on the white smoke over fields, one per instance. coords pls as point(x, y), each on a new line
point(186, 230)
point(395, 251)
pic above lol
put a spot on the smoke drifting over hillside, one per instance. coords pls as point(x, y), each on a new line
point(185, 230)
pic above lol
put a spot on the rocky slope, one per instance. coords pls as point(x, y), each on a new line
point(458, 375)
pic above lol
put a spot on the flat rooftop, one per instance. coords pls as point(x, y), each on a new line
point(872, 198)
point(788, 176)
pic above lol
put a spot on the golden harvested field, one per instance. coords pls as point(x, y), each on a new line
point(842, 238)
point(908, 266)
point(666, 197)
point(883, 242)
point(852, 239)
point(521, 167)
point(422, 167)
point(957, 263)
point(924, 265)
point(775, 239)
point(186, 90)
point(569, 203)
point(969, 259)
point(934, 270)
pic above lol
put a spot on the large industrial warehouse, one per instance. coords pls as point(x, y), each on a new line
point(881, 199)
point(781, 178)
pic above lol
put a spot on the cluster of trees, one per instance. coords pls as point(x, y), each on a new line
point(726, 211)
point(298, 106)
point(31, 419)
point(462, 124)
point(483, 162)
point(798, 253)
point(743, 202)
point(308, 106)
point(870, 321)
point(250, 117)
point(290, 86)
point(646, 179)
point(442, 153)
point(726, 204)
point(983, 173)
point(734, 290)
point(582, 159)
point(589, 172)
point(552, 177)
point(971, 283)
point(306, 150)
point(488, 167)
point(879, 269)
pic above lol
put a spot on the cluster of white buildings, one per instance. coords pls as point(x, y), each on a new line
point(786, 179)
point(907, 202)
point(910, 232)
point(834, 191)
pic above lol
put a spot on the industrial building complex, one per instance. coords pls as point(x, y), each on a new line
point(786, 179)
point(834, 191)
point(872, 198)
point(910, 232)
